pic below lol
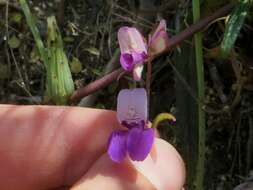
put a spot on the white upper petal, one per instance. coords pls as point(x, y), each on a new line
point(132, 105)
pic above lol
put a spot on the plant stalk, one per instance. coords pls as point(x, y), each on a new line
point(199, 176)
point(174, 41)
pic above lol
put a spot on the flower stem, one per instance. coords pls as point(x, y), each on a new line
point(99, 83)
point(199, 177)
point(174, 41)
point(148, 78)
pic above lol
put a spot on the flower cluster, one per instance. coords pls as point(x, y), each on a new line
point(137, 138)
point(134, 49)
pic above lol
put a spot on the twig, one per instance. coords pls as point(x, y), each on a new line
point(174, 41)
point(94, 86)
point(197, 27)
point(134, 15)
point(88, 101)
point(10, 5)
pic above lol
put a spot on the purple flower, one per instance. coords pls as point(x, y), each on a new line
point(137, 139)
point(132, 46)
point(133, 49)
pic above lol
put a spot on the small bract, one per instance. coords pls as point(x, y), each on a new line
point(158, 40)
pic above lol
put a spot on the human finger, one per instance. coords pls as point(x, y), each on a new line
point(162, 170)
point(43, 147)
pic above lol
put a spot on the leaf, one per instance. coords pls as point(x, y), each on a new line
point(75, 66)
point(68, 39)
point(14, 42)
point(161, 117)
point(59, 81)
point(93, 51)
point(234, 26)
point(16, 17)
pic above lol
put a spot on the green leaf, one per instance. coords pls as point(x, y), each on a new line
point(161, 117)
point(93, 51)
point(59, 81)
point(68, 39)
point(234, 26)
point(14, 42)
point(75, 66)
point(16, 17)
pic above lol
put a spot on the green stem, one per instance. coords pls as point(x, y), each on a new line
point(199, 177)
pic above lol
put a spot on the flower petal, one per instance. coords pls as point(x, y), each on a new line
point(117, 147)
point(137, 71)
point(127, 61)
point(159, 40)
point(139, 57)
point(132, 105)
point(131, 40)
point(139, 143)
point(132, 46)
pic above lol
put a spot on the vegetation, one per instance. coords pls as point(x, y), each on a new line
point(58, 52)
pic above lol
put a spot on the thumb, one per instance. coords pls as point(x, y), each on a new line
point(162, 170)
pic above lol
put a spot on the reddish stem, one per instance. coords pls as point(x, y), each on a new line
point(174, 41)
point(148, 77)
point(94, 86)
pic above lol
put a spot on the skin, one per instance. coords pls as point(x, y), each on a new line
point(50, 147)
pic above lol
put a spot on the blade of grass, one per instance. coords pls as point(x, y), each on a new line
point(199, 178)
point(234, 26)
point(31, 23)
point(59, 82)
